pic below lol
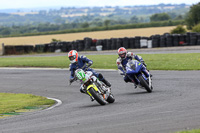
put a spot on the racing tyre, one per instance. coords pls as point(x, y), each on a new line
point(110, 99)
point(145, 84)
point(98, 97)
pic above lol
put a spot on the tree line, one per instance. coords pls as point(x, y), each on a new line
point(191, 19)
point(137, 22)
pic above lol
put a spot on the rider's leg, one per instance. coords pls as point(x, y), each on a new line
point(100, 77)
point(127, 79)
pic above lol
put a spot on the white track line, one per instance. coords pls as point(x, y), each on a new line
point(59, 102)
point(38, 68)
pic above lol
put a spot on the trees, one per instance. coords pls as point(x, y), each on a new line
point(134, 19)
point(160, 17)
point(196, 28)
point(5, 31)
point(193, 17)
point(85, 25)
point(179, 30)
point(106, 23)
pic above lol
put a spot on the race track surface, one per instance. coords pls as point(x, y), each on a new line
point(173, 105)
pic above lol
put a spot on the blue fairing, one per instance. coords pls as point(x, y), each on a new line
point(133, 67)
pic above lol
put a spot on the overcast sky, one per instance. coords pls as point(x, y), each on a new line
point(8, 4)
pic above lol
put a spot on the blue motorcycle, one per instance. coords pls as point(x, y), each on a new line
point(139, 75)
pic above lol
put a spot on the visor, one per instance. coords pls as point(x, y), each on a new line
point(122, 55)
point(71, 58)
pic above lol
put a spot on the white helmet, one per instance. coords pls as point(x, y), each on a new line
point(73, 56)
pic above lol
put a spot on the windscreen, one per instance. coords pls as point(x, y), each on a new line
point(131, 64)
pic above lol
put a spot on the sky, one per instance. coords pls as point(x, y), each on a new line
point(13, 4)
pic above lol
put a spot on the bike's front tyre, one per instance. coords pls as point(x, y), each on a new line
point(97, 96)
point(145, 84)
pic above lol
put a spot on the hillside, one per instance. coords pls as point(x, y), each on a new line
point(63, 15)
point(79, 36)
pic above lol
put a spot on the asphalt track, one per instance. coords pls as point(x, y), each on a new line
point(173, 105)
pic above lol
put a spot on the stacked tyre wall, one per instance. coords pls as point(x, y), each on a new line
point(89, 44)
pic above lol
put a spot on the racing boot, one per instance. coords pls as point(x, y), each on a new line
point(101, 78)
point(135, 85)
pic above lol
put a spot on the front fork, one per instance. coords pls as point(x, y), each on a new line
point(94, 86)
point(148, 78)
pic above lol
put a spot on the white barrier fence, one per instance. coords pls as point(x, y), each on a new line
point(144, 43)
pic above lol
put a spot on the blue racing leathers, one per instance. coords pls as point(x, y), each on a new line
point(82, 62)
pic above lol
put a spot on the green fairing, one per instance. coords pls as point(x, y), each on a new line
point(81, 75)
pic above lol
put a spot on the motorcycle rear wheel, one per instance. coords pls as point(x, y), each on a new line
point(145, 84)
point(110, 99)
point(98, 97)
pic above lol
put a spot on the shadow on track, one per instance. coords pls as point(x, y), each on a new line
point(96, 105)
point(138, 93)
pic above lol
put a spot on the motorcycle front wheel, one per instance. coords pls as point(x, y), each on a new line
point(144, 84)
point(98, 97)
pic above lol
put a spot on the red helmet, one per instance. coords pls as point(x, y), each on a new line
point(73, 56)
point(122, 52)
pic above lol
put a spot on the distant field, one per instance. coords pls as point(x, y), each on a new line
point(32, 40)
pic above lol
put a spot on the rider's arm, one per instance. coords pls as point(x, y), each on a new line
point(134, 56)
point(119, 65)
point(72, 72)
point(85, 59)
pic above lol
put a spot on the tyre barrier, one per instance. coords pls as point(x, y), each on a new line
point(132, 43)
point(89, 44)
point(9, 50)
point(104, 44)
point(119, 43)
point(64, 46)
point(125, 43)
point(108, 44)
point(137, 41)
point(155, 41)
point(19, 49)
point(162, 41)
point(39, 48)
point(169, 41)
point(113, 43)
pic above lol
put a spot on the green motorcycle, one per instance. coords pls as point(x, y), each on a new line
point(92, 86)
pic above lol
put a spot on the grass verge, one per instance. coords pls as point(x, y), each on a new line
point(10, 102)
point(191, 131)
point(183, 61)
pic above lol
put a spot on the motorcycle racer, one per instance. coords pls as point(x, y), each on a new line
point(123, 59)
point(84, 63)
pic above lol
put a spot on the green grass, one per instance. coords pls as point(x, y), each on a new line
point(11, 102)
point(185, 61)
point(191, 131)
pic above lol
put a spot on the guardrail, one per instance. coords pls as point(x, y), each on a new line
point(89, 44)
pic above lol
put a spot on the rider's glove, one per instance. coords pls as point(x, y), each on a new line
point(90, 63)
point(123, 73)
point(71, 80)
point(143, 63)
